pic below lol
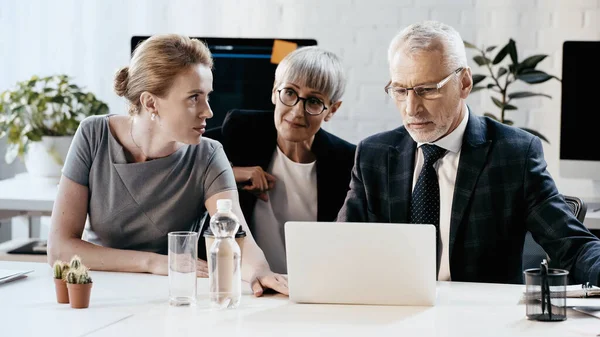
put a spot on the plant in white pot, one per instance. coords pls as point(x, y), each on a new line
point(39, 117)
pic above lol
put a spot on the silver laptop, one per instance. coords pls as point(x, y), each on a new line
point(361, 263)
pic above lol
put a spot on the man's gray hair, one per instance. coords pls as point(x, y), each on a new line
point(430, 36)
point(315, 68)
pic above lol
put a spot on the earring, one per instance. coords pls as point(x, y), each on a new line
point(153, 116)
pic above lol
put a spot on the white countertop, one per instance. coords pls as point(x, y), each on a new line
point(23, 193)
point(136, 304)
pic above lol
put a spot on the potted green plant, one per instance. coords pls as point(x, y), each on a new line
point(79, 284)
point(39, 117)
point(60, 274)
point(501, 77)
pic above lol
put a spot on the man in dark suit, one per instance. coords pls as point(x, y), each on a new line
point(481, 183)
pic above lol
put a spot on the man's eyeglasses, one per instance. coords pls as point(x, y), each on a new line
point(426, 91)
point(312, 105)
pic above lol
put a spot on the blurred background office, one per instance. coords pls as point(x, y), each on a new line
point(89, 40)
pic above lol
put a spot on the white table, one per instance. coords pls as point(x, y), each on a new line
point(23, 195)
point(136, 304)
point(22, 198)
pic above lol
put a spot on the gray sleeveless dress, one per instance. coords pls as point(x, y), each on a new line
point(135, 205)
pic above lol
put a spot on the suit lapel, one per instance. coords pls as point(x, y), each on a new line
point(255, 147)
point(401, 162)
point(266, 148)
point(319, 147)
point(473, 157)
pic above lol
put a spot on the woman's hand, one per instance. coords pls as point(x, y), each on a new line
point(159, 265)
point(255, 180)
point(269, 280)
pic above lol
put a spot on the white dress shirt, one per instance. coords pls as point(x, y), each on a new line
point(446, 168)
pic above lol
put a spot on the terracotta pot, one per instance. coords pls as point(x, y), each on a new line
point(79, 295)
point(62, 294)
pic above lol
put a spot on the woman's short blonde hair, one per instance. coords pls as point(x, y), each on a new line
point(315, 68)
point(155, 64)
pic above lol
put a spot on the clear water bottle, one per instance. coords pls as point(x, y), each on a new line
point(224, 270)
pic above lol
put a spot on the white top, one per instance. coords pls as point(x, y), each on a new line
point(125, 304)
point(446, 168)
point(294, 198)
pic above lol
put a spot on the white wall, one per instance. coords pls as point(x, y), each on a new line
point(90, 41)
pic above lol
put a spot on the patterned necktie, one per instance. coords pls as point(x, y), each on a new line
point(425, 202)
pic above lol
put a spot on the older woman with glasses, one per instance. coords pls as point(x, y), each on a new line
point(286, 166)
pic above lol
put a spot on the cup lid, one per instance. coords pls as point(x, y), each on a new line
point(551, 272)
point(240, 233)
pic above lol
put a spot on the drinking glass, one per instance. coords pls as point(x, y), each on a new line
point(183, 256)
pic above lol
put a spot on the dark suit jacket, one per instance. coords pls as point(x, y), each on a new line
point(249, 138)
point(502, 190)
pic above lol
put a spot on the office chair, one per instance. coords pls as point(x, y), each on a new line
point(533, 254)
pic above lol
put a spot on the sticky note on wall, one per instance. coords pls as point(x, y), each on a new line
point(281, 49)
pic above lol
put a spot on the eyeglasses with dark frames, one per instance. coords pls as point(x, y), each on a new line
point(312, 105)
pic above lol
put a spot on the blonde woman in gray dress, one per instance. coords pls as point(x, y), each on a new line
point(141, 176)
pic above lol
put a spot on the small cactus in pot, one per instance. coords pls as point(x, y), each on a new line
point(79, 284)
point(60, 273)
point(75, 262)
point(78, 276)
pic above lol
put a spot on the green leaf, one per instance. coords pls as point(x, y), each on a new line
point(508, 122)
point(491, 85)
point(475, 89)
point(512, 50)
point(534, 76)
point(14, 134)
point(501, 72)
point(531, 62)
point(501, 55)
point(34, 136)
point(523, 94)
point(490, 48)
point(492, 116)
point(469, 45)
point(480, 60)
point(505, 106)
point(478, 78)
point(497, 102)
point(535, 133)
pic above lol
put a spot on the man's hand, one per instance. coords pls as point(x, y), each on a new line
point(269, 280)
point(256, 180)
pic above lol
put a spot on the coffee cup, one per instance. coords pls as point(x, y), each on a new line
point(209, 238)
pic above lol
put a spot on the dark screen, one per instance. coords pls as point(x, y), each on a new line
point(580, 113)
point(242, 74)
